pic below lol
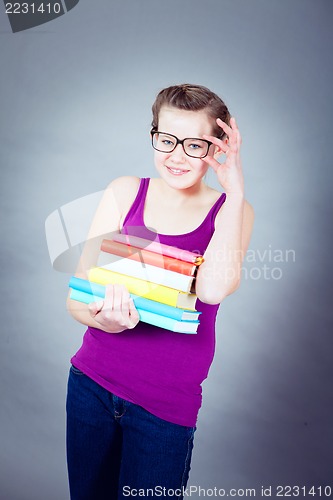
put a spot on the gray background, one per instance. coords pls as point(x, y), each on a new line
point(70, 91)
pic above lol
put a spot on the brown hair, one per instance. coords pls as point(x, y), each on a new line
point(192, 98)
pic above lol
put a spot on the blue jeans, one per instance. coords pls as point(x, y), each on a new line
point(115, 448)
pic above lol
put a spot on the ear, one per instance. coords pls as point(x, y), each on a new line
point(218, 151)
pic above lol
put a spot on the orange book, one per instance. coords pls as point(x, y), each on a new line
point(147, 257)
point(158, 247)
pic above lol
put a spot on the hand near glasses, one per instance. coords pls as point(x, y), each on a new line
point(229, 173)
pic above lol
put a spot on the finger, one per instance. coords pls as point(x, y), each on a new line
point(125, 299)
point(233, 123)
point(233, 132)
point(237, 135)
point(212, 162)
point(109, 297)
point(239, 139)
point(226, 128)
point(117, 298)
point(133, 311)
point(235, 143)
point(95, 307)
point(218, 142)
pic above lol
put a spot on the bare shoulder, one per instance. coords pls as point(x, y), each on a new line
point(125, 183)
point(116, 200)
point(124, 189)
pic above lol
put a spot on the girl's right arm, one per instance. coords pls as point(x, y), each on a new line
point(116, 312)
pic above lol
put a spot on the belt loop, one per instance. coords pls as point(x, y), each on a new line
point(119, 406)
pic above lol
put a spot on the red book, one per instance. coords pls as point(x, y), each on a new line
point(160, 248)
point(147, 257)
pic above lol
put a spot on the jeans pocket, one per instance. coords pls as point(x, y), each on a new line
point(75, 370)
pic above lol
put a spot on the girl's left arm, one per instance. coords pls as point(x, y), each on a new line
point(220, 273)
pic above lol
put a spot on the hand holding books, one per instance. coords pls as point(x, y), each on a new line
point(116, 312)
point(159, 281)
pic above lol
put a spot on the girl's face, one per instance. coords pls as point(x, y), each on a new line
point(177, 169)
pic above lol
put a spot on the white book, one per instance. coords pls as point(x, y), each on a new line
point(144, 271)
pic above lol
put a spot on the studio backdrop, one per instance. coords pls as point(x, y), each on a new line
point(78, 80)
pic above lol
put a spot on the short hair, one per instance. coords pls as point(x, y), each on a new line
point(192, 98)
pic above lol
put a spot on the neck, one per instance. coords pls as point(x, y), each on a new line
point(182, 196)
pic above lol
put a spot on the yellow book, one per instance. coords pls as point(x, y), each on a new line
point(143, 288)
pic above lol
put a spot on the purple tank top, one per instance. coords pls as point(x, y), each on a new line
point(161, 371)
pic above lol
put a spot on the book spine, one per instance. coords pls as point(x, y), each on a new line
point(96, 290)
point(143, 255)
point(164, 309)
point(87, 286)
point(156, 247)
point(143, 288)
point(146, 272)
point(84, 297)
point(168, 323)
point(145, 316)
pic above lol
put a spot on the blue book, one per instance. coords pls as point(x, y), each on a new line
point(145, 316)
point(140, 302)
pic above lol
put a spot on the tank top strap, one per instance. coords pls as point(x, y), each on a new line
point(215, 209)
point(135, 213)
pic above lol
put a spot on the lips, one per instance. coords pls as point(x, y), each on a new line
point(177, 171)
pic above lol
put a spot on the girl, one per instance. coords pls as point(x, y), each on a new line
point(134, 390)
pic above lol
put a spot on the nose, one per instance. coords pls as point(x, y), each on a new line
point(178, 154)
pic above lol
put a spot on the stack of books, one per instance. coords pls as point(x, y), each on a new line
point(160, 279)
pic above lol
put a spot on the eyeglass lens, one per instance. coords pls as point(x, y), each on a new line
point(192, 147)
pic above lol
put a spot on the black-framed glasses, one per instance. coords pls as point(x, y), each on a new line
point(166, 143)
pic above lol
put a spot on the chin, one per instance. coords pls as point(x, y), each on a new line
point(180, 178)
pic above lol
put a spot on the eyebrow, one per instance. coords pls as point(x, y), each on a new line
point(188, 137)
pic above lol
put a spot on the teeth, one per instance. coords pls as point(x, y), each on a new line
point(177, 171)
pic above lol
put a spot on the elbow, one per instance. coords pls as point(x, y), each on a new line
point(214, 297)
point(212, 301)
point(234, 288)
point(209, 297)
point(69, 307)
point(68, 304)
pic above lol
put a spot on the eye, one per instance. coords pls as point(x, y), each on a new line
point(166, 140)
point(195, 145)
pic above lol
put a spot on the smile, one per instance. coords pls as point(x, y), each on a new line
point(177, 171)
